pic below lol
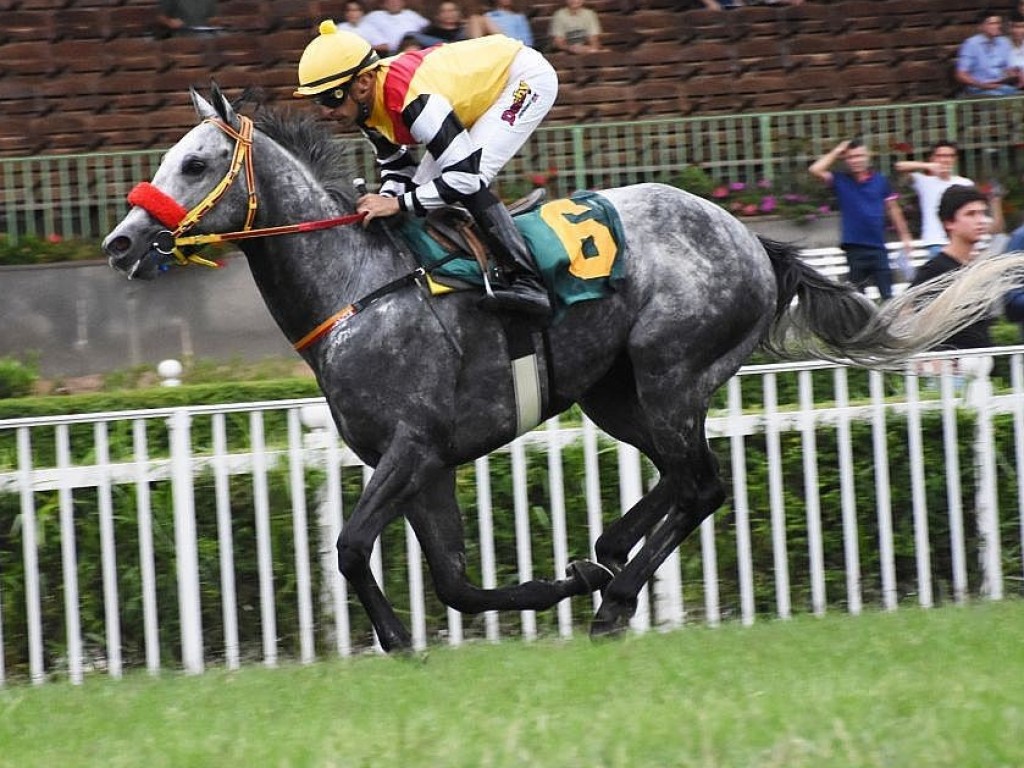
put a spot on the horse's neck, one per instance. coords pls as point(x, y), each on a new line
point(307, 277)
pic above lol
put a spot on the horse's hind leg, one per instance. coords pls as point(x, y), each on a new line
point(437, 521)
point(692, 484)
point(614, 406)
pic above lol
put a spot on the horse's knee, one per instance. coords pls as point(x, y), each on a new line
point(609, 553)
point(351, 560)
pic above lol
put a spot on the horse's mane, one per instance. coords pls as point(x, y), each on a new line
point(312, 141)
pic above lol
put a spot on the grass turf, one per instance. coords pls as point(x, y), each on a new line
point(911, 688)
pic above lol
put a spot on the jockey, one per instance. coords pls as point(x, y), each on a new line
point(471, 104)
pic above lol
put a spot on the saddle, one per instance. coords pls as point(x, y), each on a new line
point(455, 230)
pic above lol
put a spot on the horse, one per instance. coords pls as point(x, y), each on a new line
point(419, 385)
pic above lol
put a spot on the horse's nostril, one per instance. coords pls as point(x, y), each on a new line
point(119, 245)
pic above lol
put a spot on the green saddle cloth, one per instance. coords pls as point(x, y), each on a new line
point(576, 242)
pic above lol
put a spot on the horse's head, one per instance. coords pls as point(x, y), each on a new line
point(200, 186)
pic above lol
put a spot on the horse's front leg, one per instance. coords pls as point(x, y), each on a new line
point(400, 475)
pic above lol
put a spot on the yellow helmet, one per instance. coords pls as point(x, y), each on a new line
point(333, 59)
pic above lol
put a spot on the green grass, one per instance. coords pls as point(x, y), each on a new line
point(914, 688)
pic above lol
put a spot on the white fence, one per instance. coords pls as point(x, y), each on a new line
point(183, 537)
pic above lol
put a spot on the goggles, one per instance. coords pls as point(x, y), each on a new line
point(333, 98)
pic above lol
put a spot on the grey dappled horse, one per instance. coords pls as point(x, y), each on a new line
point(419, 386)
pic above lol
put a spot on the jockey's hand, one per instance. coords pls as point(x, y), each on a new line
point(376, 207)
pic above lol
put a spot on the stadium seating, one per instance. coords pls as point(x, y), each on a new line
point(86, 75)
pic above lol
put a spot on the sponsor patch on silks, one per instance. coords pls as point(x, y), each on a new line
point(577, 242)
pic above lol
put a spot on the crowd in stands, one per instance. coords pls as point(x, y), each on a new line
point(616, 59)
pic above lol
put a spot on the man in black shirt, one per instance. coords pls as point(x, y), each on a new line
point(963, 212)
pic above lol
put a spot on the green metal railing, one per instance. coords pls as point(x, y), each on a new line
point(83, 195)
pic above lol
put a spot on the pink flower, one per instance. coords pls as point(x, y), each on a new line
point(54, 238)
point(768, 204)
point(824, 209)
point(737, 186)
point(720, 192)
point(765, 183)
point(749, 209)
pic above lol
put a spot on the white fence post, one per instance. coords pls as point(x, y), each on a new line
point(108, 551)
point(264, 548)
point(741, 504)
point(979, 395)
point(69, 557)
point(848, 501)
point(147, 565)
point(30, 550)
point(922, 547)
point(559, 534)
point(773, 446)
point(225, 543)
point(883, 496)
point(524, 553)
point(185, 546)
point(485, 521)
point(809, 444)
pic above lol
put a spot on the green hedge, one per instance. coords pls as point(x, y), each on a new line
point(244, 539)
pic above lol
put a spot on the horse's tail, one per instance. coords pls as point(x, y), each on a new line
point(832, 321)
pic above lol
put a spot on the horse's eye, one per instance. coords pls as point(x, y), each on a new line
point(193, 166)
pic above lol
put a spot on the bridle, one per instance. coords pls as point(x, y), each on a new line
point(170, 213)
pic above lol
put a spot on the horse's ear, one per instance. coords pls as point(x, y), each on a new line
point(223, 106)
point(204, 109)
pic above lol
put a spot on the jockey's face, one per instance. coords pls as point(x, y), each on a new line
point(360, 92)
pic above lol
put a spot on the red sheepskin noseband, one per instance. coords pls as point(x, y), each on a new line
point(157, 204)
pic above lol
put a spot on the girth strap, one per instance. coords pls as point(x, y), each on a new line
point(346, 312)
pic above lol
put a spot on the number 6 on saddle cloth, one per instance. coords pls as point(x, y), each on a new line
point(577, 243)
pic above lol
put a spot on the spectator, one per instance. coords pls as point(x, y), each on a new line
point(182, 16)
point(1017, 47)
point(963, 211)
point(728, 5)
point(575, 29)
point(410, 42)
point(386, 27)
point(983, 64)
point(864, 197)
point(509, 22)
point(355, 13)
point(929, 180)
point(449, 26)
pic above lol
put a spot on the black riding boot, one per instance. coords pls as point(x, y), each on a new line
point(522, 290)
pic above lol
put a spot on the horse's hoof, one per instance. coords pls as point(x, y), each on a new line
point(594, 576)
point(607, 629)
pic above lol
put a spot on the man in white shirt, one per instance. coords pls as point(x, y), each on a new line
point(930, 179)
point(386, 27)
point(1017, 47)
